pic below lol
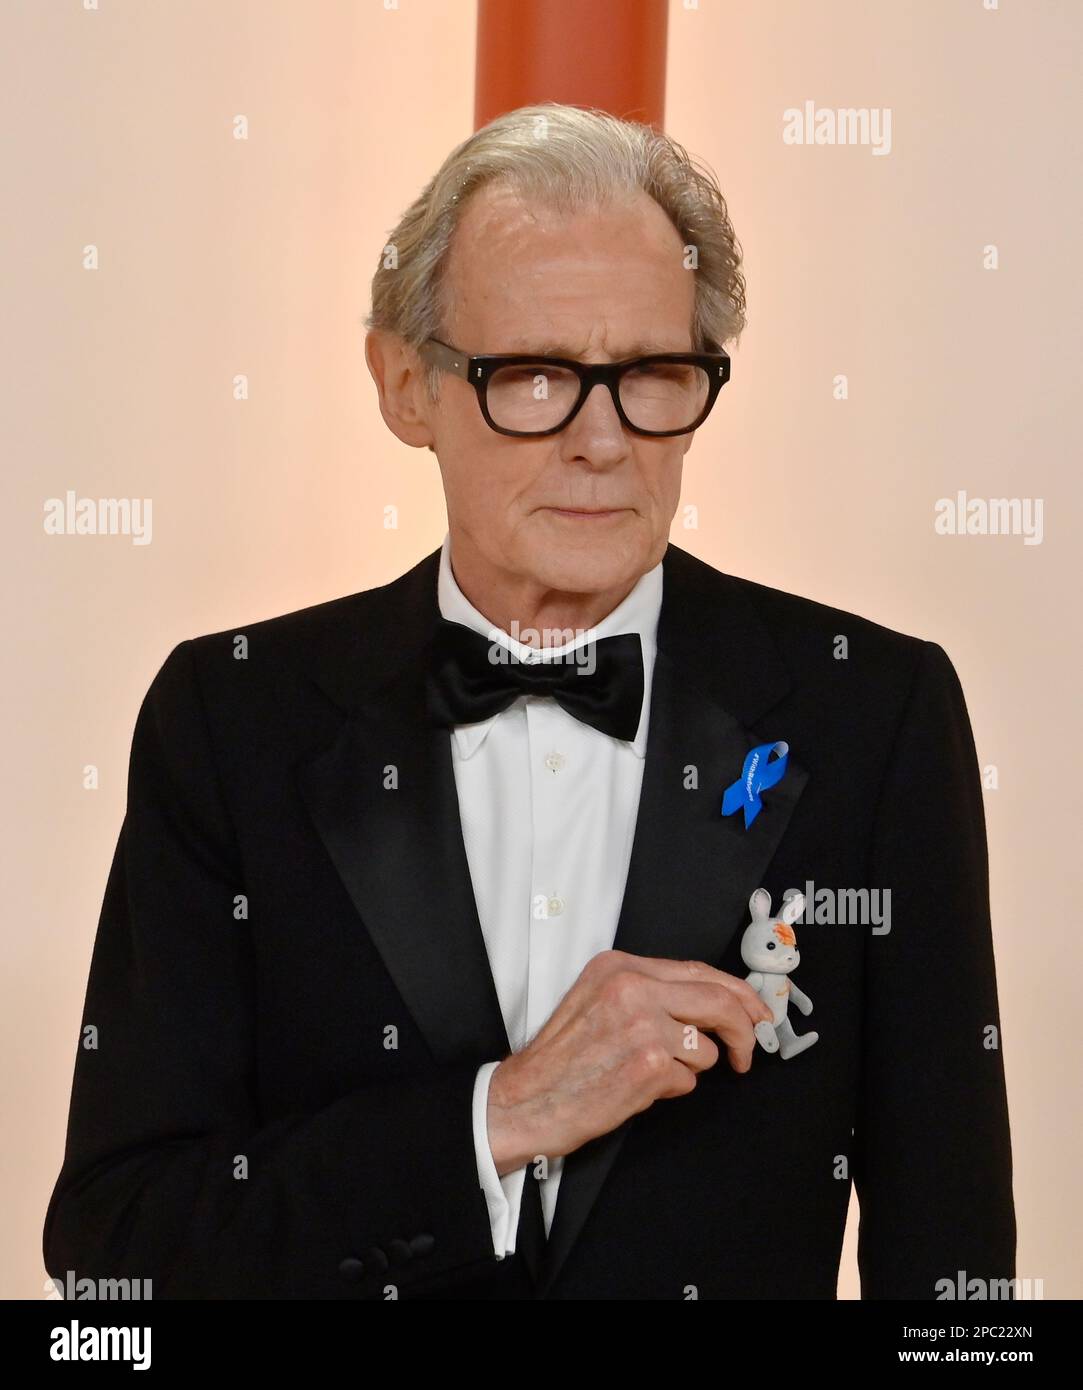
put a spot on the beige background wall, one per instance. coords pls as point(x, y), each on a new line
point(219, 256)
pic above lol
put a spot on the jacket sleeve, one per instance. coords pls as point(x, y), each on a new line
point(169, 1173)
point(933, 1164)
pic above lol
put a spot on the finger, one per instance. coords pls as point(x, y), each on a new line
point(688, 1044)
point(681, 971)
point(739, 1059)
point(707, 1005)
point(697, 1050)
point(714, 1009)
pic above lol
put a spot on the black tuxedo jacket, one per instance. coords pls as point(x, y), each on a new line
point(289, 994)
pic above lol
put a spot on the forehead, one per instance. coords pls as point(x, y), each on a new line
point(524, 276)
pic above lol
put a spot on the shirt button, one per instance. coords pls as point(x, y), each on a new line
point(555, 906)
point(554, 761)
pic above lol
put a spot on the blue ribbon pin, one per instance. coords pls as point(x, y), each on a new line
point(759, 774)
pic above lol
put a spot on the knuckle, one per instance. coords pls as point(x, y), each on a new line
point(653, 1060)
point(622, 988)
point(600, 966)
point(640, 1029)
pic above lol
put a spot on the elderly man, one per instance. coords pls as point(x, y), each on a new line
point(427, 898)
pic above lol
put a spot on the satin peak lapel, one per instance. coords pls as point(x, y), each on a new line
point(692, 870)
point(399, 851)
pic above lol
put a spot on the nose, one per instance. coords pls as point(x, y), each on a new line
point(597, 432)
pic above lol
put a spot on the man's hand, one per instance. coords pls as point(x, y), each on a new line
point(626, 1034)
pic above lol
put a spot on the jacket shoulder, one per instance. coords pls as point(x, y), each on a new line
point(831, 657)
point(331, 642)
point(796, 621)
point(330, 617)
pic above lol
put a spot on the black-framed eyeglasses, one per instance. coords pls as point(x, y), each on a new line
point(521, 394)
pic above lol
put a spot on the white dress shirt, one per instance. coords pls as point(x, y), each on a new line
point(548, 807)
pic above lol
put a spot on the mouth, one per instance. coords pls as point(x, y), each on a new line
point(587, 513)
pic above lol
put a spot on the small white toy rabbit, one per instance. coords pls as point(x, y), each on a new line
point(769, 949)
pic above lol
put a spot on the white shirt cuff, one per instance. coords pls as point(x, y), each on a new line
point(503, 1195)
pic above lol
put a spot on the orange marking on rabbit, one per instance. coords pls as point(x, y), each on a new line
point(785, 934)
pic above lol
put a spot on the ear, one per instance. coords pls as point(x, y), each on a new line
point(793, 904)
point(399, 375)
point(760, 904)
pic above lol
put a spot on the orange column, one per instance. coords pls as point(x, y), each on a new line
point(605, 53)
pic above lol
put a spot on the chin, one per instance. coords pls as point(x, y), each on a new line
point(592, 558)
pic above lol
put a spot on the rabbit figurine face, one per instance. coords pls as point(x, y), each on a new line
point(769, 944)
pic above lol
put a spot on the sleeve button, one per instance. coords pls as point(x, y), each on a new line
point(352, 1270)
point(423, 1244)
point(375, 1260)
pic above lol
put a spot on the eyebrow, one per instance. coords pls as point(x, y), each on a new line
point(641, 349)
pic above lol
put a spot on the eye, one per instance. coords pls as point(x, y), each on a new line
point(770, 945)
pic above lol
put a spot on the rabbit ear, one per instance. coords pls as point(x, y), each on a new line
point(793, 905)
point(760, 904)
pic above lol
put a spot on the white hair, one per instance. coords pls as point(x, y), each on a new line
point(567, 158)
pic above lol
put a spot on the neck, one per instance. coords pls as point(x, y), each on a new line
point(535, 615)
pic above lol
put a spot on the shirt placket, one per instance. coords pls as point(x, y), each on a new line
point(552, 899)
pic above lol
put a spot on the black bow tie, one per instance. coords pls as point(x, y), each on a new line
point(600, 683)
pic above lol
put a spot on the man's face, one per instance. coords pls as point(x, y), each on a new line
point(599, 286)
